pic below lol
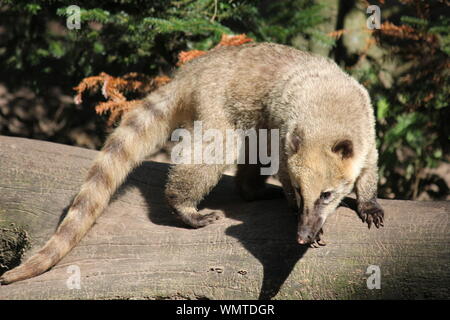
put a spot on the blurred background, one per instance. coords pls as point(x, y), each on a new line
point(404, 64)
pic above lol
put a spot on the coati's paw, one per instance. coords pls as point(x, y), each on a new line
point(202, 220)
point(191, 217)
point(318, 242)
point(371, 212)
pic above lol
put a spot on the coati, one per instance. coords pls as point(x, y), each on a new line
point(327, 141)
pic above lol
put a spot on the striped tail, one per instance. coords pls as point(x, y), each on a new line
point(142, 130)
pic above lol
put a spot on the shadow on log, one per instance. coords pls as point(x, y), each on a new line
point(138, 250)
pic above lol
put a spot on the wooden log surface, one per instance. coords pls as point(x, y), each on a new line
point(138, 250)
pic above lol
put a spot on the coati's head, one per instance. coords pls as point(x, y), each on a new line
point(322, 173)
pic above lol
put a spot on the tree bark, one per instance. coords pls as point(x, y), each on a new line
point(138, 250)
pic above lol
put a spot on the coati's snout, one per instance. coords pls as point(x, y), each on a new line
point(309, 225)
point(316, 200)
point(322, 173)
point(312, 215)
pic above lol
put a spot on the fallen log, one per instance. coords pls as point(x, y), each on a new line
point(138, 250)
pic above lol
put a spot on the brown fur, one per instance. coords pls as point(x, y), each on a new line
point(308, 98)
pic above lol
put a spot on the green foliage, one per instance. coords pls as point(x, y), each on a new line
point(413, 114)
point(122, 35)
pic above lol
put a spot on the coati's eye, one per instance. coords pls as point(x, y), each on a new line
point(325, 195)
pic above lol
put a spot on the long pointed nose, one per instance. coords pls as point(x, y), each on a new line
point(309, 225)
point(304, 236)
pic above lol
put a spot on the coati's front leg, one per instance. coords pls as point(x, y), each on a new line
point(187, 185)
point(249, 182)
point(369, 209)
point(252, 185)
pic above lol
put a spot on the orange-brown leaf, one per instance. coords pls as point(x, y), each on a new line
point(337, 33)
point(403, 32)
point(116, 109)
point(233, 40)
point(161, 80)
point(185, 56)
point(89, 84)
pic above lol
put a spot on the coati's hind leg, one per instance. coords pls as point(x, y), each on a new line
point(187, 185)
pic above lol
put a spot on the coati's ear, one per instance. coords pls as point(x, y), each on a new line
point(344, 148)
point(294, 140)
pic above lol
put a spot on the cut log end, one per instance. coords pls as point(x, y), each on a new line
point(13, 243)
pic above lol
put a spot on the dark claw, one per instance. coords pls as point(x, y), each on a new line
point(363, 217)
point(378, 222)
point(322, 243)
point(318, 242)
point(371, 213)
